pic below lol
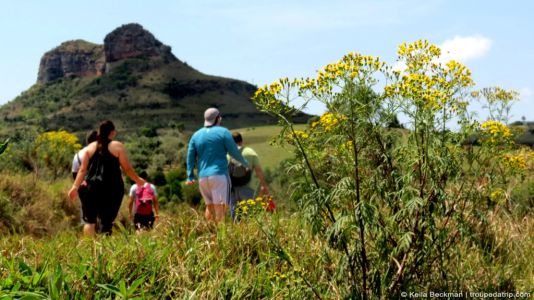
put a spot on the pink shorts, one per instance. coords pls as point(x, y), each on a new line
point(215, 189)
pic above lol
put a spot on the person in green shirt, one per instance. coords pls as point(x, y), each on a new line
point(242, 188)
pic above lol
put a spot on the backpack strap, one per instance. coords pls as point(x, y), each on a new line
point(78, 158)
point(148, 186)
point(138, 191)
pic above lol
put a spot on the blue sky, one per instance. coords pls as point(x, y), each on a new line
point(260, 41)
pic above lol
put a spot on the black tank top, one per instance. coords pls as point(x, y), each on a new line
point(112, 169)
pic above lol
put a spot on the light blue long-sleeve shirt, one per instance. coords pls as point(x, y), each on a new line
point(208, 148)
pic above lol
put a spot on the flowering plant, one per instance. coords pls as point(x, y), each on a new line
point(395, 203)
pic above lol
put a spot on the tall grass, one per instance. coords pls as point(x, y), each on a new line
point(31, 205)
point(271, 256)
point(183, 257)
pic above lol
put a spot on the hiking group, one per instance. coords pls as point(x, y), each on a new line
point(224, 166)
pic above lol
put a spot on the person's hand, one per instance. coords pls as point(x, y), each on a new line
point(190, 182)
point(73, 193)
point(141, 182)
point(156, 218)
point(265, 190)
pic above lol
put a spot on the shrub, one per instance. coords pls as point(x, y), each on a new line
point(54, 151)
point(396, 205)
point(191, 194)
point(35, 207)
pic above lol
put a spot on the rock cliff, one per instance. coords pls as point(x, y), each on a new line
point(132, 40)
point(72, 59)
point(81, 59)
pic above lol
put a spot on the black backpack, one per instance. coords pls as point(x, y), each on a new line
point(94, 178)
point(239, 174)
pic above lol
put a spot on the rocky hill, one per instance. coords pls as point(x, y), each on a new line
point(132, 79)
point(71, 59)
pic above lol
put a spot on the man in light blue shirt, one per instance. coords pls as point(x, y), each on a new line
point(207, 150)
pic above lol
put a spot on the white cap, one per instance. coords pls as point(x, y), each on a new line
point(210, 116)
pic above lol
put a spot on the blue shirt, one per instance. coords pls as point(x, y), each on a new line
point(208, 148)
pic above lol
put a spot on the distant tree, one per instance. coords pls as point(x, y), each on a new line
point(516, 123)
point(173, 188)
point(149, 131)
point(158, 178)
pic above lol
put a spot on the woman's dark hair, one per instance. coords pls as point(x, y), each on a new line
point(91, 137)
point(104, 130)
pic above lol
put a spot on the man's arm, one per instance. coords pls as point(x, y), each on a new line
point(191, 159)
point(261, 178)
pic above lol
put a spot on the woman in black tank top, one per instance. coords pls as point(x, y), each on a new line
point(108, 199)
point(103, 201)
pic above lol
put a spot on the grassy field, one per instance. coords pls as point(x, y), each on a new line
point(259, 138)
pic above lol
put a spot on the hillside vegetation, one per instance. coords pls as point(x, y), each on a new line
point(138, 92)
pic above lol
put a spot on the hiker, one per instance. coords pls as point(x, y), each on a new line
point(207, 150)
point(145, 202)
point(241, 176)
point(103, 184)
point(77, 160)
point(76, 164)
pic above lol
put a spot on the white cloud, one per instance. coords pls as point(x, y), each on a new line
point(465, 48)
point(399, 66)
point(461, 49)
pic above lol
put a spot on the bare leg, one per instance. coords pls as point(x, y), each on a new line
point(89, 229)
point(210, 212)
point(220, 212)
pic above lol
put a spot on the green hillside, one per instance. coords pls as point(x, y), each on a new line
point(135, 93)
point(259, 138)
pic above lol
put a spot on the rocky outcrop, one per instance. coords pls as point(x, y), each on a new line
point(132, 40)
point(81, 59)
point(72, 59)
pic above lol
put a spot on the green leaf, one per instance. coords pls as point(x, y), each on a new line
point(135, 285)
point(123, 289)
point(414, 203)
point(3, 146)
point(111, 288)
point(405, 240)
point(24, 268)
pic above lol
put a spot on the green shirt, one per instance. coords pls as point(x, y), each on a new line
point(252, 158)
